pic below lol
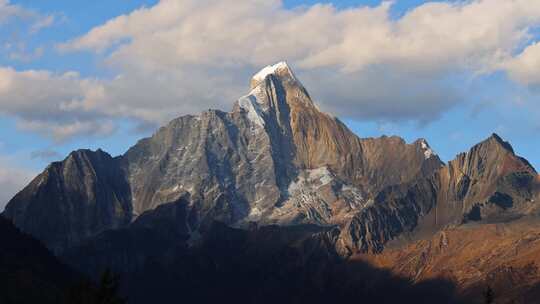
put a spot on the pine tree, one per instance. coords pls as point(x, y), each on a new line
point(107, 292)
point(489, 296)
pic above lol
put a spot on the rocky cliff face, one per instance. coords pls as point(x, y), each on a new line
point(73, 200)
point(276, 158)
point(489, 183)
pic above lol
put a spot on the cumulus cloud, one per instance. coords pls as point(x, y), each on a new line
point(183, 56)
point(432, 36)
point(525, 68)
point(12, 180)
point(58, 106)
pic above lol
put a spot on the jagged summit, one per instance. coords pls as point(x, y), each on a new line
point(280, 69)
point(275, 94)
point(428, 152)
point(492, 156)
point(271, 69)
point(495, 138)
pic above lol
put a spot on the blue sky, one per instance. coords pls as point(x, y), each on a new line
point(417, 82)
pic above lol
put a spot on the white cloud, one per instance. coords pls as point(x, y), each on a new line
point(471, 34)
point(12, 179)
point(525, 68)
point(59, 106)
point(183, 56)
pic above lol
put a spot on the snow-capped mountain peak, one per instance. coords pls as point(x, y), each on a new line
point(280, 69)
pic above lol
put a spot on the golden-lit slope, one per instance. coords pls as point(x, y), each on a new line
point(505, 257)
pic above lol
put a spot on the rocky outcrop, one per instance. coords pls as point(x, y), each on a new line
point(396, 211)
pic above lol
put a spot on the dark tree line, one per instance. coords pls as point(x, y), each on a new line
point(106, 291)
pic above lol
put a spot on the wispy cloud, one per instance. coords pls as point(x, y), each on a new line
point(21, 53)
point(46, 155)
point(9, 11)
point(42, 23)
point(36, 20)
point(20, 26)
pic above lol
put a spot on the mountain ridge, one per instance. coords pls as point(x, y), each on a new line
point(275, 167)
point(236, 167)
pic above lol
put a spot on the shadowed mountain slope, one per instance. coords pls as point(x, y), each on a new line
point(29, 273)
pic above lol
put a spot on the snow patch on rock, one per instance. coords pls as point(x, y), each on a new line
point(251, 104)
point(428, 152)
point(316, 177)
point(271, 69)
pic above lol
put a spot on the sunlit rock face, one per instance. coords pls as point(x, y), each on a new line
point(503, 256)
